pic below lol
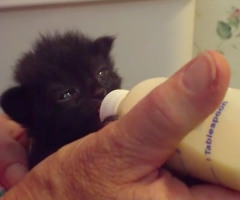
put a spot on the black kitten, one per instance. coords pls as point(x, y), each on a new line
point(62, 81)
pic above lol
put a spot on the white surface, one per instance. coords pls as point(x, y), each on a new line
point(154, 38)
point(208, 14)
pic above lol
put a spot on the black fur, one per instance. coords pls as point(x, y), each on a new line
point(61, 83)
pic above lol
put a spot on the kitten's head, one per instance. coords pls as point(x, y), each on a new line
point(62, 81)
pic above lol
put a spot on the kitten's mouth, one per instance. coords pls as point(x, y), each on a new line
point(96, 103)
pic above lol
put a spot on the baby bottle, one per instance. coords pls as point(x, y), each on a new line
point(210, 152)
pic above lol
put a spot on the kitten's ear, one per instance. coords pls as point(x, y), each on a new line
point(103, 45)
point(17, 103)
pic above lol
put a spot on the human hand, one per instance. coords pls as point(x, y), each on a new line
point(124, 159)
point(13, 158)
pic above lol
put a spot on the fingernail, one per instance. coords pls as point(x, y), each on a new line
point(200, 73)
point(14, 174)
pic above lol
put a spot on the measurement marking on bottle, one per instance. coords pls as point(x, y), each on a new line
point(214, 175)
point(208, 159)
point(212, 128)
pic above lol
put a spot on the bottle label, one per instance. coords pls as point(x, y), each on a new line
point(212, 128)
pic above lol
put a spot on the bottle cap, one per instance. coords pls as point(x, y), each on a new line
point(111, 102)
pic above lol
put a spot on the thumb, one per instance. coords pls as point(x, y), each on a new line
point(151, 131)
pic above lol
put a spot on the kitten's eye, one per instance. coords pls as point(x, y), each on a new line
point(103, 75)
point(69, 94)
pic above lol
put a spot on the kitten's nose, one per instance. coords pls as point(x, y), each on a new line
point(99, 93)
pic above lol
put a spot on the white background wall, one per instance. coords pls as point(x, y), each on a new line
point(154, 38)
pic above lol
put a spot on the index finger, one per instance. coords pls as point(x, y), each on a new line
point(13, 129)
